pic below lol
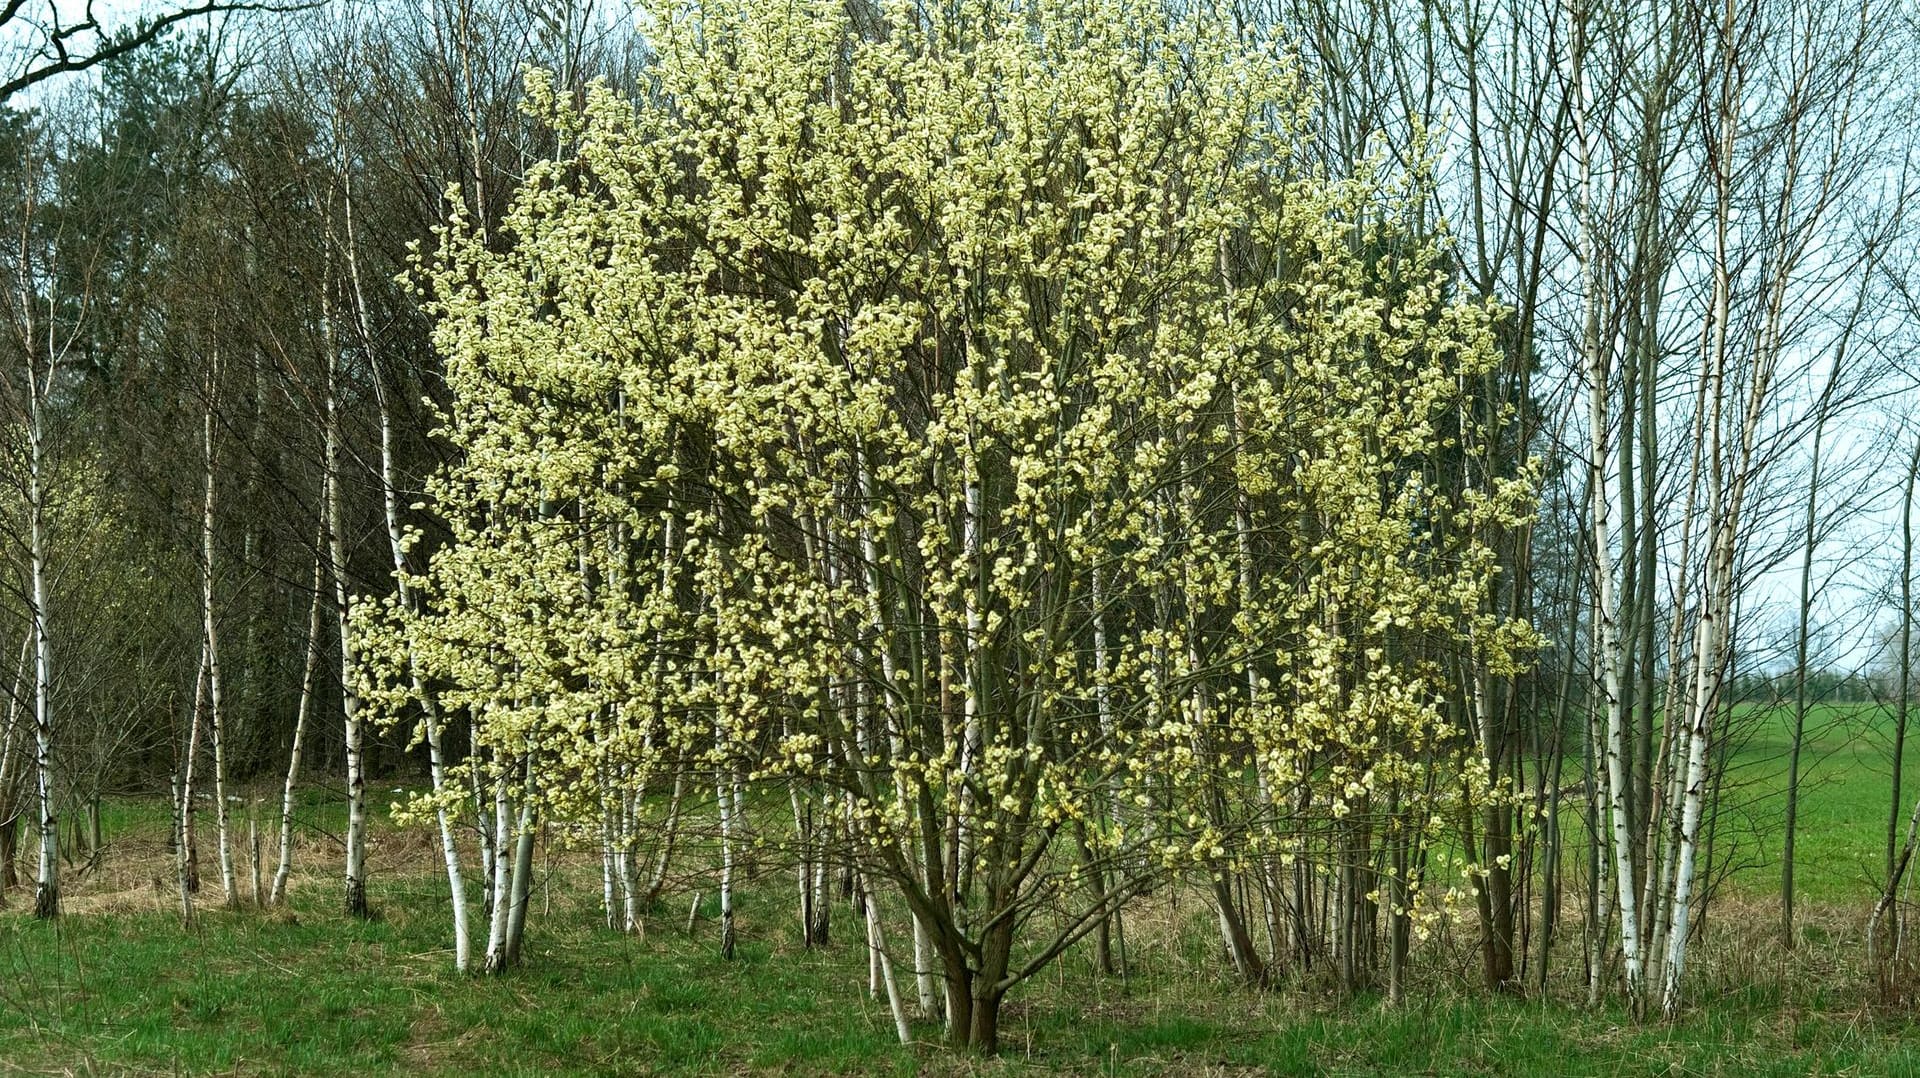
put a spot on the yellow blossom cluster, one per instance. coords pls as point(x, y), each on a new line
point(984, 417)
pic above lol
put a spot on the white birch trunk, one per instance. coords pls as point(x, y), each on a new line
point(489, 840)
point(188, 842)
point(1606, 617)
point(1723, 513)
point(727, 824)
point(496, 959)
point(46, 896)
point(223, 835)
point(803, 839)
point(429, 710)
point(877, 949)
point(183, 881)
point(356, 861)
point(1662, 819)
point(277, 893)
point(623, 863)
point(929, 998)
point(1599, 949)
point(609, 841)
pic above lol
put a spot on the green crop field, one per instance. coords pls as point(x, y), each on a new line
point(1846, 783)
point(1845, 791)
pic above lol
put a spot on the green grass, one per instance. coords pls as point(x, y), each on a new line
point(307, 991)
point(1846, 790)
point(120, 987)
point(312, 993)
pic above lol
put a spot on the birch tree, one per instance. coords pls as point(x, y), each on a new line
point(44, 323)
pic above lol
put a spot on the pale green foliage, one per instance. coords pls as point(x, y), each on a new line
point(817, 407)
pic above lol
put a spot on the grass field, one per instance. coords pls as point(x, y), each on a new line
point(1845, 787)
point(120, 987)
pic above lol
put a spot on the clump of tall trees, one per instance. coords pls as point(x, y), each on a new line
point(989, 428)
point(989, 463)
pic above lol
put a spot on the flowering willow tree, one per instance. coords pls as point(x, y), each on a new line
point(977, 423)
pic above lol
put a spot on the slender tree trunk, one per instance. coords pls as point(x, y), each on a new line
point(1904, 695)
point(522, 887)
point(1606, 642)
point(1598, 922)
point(182, 878)
point(1709, 644)
point(10, 796)
point(46, 895)
point(609, 845)
point(310, 668)
point(355, 723)
point(803, 871)
point(1877, 953)
point(669, 831)
point(502, 876)
point(490, 839)
point(1495, 882)
point(628, 825)
point(822, 898)
point(1790, 825)
point(727, 827)
point(223, 834)
point(253, 851)
point(877, 949)
point(184, 791)
point(396, 545)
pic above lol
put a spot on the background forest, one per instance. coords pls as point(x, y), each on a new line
point(1336, 509)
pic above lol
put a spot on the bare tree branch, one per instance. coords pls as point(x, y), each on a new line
point(56, 57)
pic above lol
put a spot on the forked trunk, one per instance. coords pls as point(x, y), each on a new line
point(663, 858)
point(521, 888)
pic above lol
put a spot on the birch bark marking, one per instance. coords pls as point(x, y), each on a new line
point(1722, 511)
point(46, 894)
point(356, 863)
point(1606, 615)
point(229, 890)
point(501, 878)
point(429, 710)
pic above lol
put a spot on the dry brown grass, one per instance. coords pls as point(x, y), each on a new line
point(136, 872)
